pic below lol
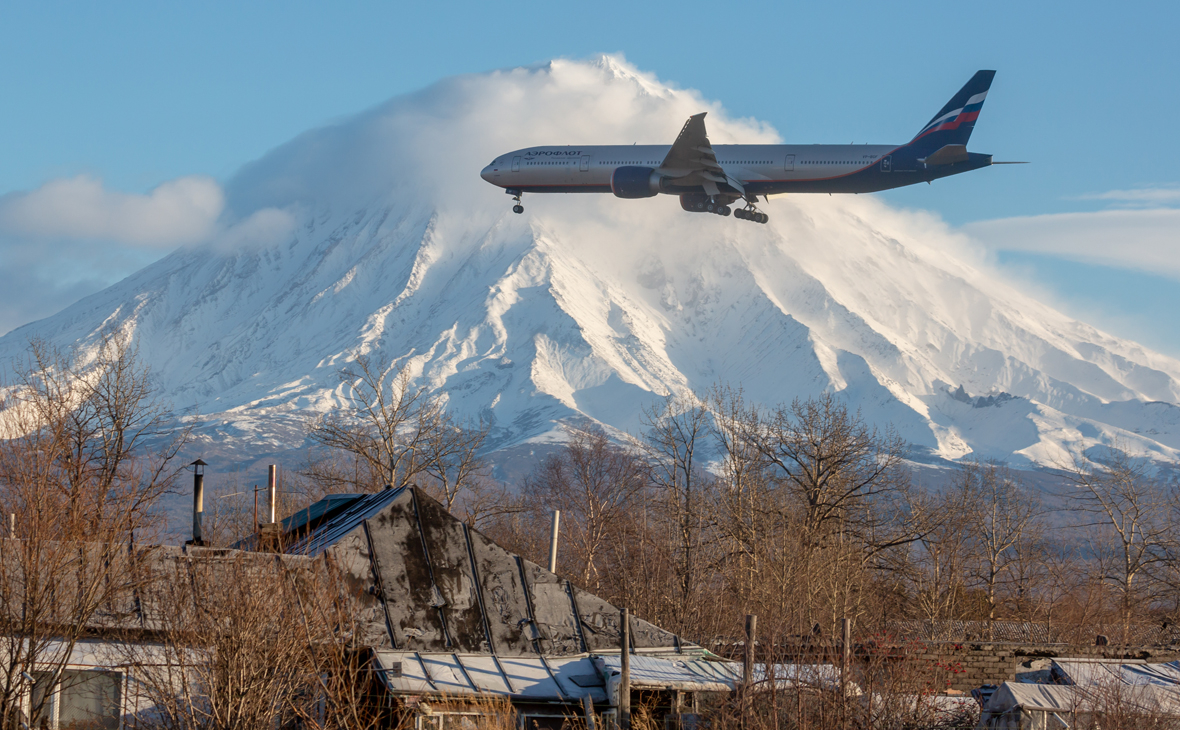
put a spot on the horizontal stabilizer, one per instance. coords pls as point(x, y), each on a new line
point(1012, 163)
point(948, 154)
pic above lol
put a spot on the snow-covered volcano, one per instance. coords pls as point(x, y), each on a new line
point(377, 235)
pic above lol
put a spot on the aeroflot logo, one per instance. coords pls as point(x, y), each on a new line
point(551, 153)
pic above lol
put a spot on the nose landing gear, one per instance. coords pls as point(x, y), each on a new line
point(518, 208)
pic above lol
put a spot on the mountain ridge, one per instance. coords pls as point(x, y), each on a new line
point(592, 307)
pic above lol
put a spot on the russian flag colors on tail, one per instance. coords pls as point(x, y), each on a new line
point(954, 122)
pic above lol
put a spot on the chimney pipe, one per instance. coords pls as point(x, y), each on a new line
point(272, 491)
point(198, 467)
point(553, 541)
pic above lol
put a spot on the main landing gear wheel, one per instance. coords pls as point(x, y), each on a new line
point(750, 214)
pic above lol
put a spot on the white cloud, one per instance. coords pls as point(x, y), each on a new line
point(1145, 239)
point(265, 227)
point(1138, 197)
point(178, 211)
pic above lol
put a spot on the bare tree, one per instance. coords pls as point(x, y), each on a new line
point(940, 563)
point(86, 449)
point(677, 428)
point(230, 647)
point(838, 486)
point(1127, 511)
point(392, 435)
point(837, 469)
point(744, 510)
point(1001, 512)
point(594, 483)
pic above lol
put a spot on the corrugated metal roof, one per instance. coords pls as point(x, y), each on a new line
point(568, 679)
point(555, 679)
point(361, 508)
point(699, 673)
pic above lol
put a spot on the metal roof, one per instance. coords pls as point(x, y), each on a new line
point(541, 679)
point(699, 673)
point(567, 679)
point(430, 583)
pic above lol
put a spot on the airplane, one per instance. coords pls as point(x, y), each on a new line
point(710, 178)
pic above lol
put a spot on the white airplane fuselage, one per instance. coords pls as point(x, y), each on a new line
point(762, 169)
point(711, 177)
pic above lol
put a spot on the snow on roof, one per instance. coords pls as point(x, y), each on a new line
point(1091, 672)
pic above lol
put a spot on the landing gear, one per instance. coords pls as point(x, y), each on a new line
point(750, 213)
point(714, 206)
point(701, 203)
point(518, 208)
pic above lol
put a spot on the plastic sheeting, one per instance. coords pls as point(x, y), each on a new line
point(1086, 672)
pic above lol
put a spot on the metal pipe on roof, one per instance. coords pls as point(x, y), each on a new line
point(198, 468)
point(553, 541)
point(272, 491)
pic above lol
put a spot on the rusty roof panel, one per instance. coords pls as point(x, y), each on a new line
point(446, 547)
point(504, 599)
point(352, 557)
point(556, 625)
point(411, 602)
point(600, 621)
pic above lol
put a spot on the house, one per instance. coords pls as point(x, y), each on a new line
point(454, 617)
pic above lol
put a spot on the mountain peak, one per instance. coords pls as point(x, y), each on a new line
point(376, 235)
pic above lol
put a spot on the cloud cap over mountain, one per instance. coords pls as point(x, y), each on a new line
point(376, 235)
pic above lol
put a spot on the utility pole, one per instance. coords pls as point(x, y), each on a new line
point(846, 635)
point(625, 677)
point(748, 663)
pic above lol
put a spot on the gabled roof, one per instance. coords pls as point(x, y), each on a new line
point(433, 584)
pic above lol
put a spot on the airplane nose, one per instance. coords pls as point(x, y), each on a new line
point(486, 173)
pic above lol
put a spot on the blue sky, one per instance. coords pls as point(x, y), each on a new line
point(138, 94)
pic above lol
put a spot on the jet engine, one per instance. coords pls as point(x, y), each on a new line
point(635, 182)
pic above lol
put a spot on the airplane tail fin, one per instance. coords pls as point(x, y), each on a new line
point(952, 125)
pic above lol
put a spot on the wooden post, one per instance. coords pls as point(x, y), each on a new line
point(846, 635)
point(748, 654)
point(625, 662)
point(748, 663)
point(588, 708)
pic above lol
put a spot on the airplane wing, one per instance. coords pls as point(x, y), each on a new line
point(691, 160)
